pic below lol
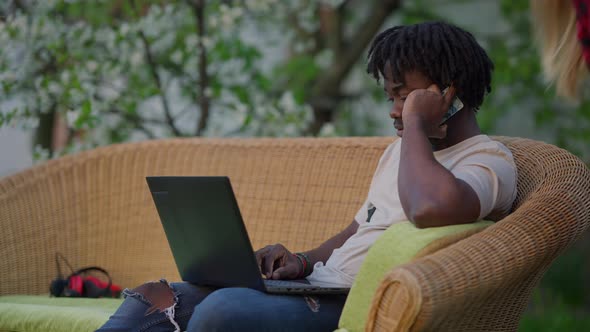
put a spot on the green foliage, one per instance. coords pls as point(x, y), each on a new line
point(553, 315)
point(119, 70)
point(298, 73)
point(87, 61)
point(85, 118)
point(567, 276)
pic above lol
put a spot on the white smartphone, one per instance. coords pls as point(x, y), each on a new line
point(456, 106)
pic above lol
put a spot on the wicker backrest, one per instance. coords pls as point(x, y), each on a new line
point(557, 180)
point(96, 209)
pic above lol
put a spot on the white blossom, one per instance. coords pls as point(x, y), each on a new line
point(124, 28)
point(54, 88)
point(137, 58)
point(334, 3)
point(65, 77)
point(290, 130)
point(91, 66)
point(328, 130)
point(40, 154)
point(176, 57)
point(287, 102)
point(213, 22)
point(72, 117)
point(191, 41)
point(324, 59)
point(259, 5)
point(207, 42)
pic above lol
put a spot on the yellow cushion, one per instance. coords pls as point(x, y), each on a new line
point(398, 245)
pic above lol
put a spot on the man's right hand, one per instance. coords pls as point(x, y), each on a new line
point(276, 262)
point(426, 107)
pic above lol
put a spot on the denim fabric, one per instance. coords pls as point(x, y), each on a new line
point(229, 309)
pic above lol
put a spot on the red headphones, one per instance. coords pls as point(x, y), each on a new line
point(80, 284)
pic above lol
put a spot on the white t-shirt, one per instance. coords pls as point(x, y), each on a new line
point(486, 165)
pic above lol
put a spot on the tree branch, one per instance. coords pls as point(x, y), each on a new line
point(19, 4)
point(156, 77)
point(324, 96)
point(357, 44)
point(331, 27)
point(344, 4)
point(198, 7)
point(44, 132)
point(137, 121)
point(134, 117)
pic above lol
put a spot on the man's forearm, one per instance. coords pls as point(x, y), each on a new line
point(424, 184)
point(324, 251)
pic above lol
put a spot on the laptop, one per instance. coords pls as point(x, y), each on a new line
point(208, 239)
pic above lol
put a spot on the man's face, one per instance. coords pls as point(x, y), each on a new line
point(397, 93)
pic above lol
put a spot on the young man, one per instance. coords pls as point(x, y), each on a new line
point(436, 175)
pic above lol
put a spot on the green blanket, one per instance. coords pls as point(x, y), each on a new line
point(50, 314)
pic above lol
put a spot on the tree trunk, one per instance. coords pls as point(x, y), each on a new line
point(44, 133)
point(326, 93)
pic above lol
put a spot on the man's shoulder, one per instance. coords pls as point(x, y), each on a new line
point(493, 147)
point(388, 153)
point(483, 144)
point(480, 149)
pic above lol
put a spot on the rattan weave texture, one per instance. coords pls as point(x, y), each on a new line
point(95, 207)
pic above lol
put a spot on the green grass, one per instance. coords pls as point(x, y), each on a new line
point(549, 311)
point(561, 303)
point(554, 319)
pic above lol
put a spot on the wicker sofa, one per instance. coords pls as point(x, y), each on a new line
point(96, 209)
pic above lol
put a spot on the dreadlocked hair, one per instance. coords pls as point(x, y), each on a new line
point(444, 53)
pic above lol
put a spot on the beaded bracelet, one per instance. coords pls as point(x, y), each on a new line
point(302, 265)
point(307, 267)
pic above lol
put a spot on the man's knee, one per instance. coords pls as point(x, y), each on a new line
point(158, 295)
point(145, 306)
point(223, 310)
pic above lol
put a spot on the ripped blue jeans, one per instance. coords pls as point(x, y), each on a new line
point(187, 307)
